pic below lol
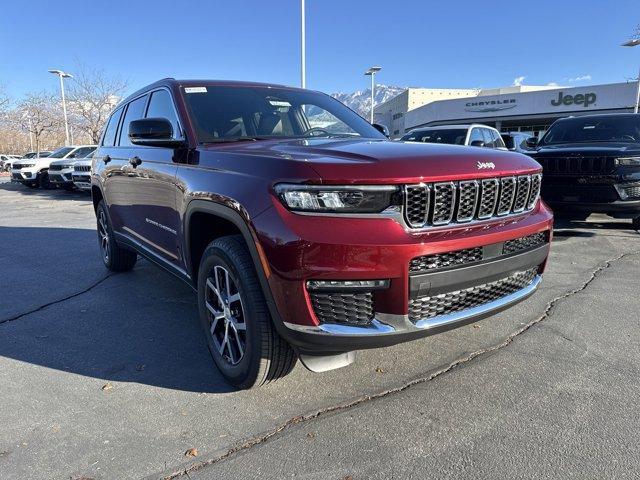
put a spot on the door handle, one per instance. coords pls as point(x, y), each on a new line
point(106, 159)
point(135, 161)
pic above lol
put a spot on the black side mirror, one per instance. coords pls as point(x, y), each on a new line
point(153, 132)
point(381, 128)
point(477, 143)
point(532, 142)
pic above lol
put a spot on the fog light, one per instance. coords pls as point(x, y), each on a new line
point(347, 285)
point(629, 192)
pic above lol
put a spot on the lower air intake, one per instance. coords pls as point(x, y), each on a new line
point(445, 303)
point(346, 308)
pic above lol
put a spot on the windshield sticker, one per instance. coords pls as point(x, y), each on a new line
point(279, 103)
point(195, 89)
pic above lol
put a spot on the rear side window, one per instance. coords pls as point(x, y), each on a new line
point(161, 106)
point(509, 141)
point(83, 152)
point(135, 111)
point(497, 139)
point(476, 134)
point(109, 139)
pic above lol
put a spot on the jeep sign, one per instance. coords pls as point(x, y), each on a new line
point(585, 99)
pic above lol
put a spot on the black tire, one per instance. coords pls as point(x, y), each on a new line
point(43, 181)
point(635, 223)
point(114, 257)
point(266, 356)
point(32, 185)
point(69, 187)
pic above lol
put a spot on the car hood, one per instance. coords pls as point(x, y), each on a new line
point(384, 161)
point(604, 148)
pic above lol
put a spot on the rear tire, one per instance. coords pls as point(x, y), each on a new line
point(635, 223)
point(114, 257)
point(235, 318)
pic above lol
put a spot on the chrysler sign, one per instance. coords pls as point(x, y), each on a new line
point(491, 105)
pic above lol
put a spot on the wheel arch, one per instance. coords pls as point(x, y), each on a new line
point(232, 223)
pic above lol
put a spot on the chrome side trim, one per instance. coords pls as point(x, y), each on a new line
point(388, 324)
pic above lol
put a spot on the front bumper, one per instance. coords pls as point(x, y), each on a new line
point(24, 175)
point(82, 180)
point(306, 248)
point(61, 177)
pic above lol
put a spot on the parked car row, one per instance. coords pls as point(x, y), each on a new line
point(54, 170)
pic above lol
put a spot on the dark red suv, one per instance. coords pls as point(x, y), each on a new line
point(305, 231)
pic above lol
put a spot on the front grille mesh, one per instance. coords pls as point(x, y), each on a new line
point(524, 243)
point(467, 200)
point(55, 168)
point(349, 308)
point(82, 168)
point(576, 165)
point(446, 303)
point(445, 260)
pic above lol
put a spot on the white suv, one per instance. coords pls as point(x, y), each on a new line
point(82, 173)
point(61, 171)
point(474, 135)
point(34, 172)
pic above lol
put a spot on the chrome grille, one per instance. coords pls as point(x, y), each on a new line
point(534, 193)
point(55, 168)
point(522, 193)
point(82, 168)
point(417, 204)
point(459, 202)
point(576, 165)
point(445, 303)
point(488, 198)
point(468, 198)
point(444, 197)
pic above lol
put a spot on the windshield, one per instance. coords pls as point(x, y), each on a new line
point(61, 152)
point(454, 136)
point(594, 129)
point(234, 113)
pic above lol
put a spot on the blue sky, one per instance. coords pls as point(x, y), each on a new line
point(418, 43)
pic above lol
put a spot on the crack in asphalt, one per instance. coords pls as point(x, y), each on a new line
point(345, 406)
point(55, 302)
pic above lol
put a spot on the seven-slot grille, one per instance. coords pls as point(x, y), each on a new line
point(451, 302)
point(55, 168)
point(82, 168)
point(576, 165)
point(350, 308)
point(446, 202)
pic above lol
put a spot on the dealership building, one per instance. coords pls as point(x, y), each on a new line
point(521, 108)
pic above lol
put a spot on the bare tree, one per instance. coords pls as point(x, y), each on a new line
point(38, 114)
point(4, 100)
point(92, 96)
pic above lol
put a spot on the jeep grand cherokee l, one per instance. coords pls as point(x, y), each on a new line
point(34, 172)
point(592, 165)
point(306, 232)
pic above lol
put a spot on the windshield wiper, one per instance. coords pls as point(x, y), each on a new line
point(235, 139)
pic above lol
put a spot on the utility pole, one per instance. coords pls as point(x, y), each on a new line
point(303, 66)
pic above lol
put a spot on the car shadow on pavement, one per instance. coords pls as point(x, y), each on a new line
point(140, 327)
point(38, 192)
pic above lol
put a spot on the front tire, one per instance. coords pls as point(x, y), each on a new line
point(114, 257)
point(235, 318)
point(43, 181)
point(635, 223)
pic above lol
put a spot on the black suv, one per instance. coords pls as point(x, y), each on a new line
point(591, 164)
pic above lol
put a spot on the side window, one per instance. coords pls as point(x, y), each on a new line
point(109, 138)
point(488, 138)
point(83, 152)
point(161, 106)
point(476, 134)
point(135, 111)
point(497, 140)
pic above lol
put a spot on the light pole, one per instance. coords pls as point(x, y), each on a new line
point(633, 43)
point(62, 76)
point(303, 60)
point(372, 73)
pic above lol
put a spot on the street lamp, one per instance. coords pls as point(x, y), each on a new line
point(633, 43)
point(63, 75)
point(372, 73)
point(303, 80)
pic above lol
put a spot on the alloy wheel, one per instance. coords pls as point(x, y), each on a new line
point(103, 235)
point(225, 312)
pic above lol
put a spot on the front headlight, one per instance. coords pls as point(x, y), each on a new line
point(628, 161)
point(337, 199)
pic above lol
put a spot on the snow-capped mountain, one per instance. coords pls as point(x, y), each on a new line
point(360, 101)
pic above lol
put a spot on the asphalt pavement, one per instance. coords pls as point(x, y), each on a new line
point(107, 376)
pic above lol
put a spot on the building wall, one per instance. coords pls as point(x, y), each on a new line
point(539, 108)
point(393, 112)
